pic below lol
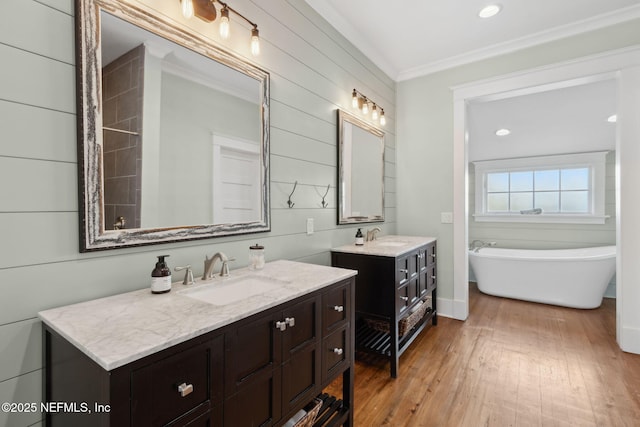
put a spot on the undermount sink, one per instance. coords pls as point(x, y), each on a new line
point(390, 244)
point(233, 290)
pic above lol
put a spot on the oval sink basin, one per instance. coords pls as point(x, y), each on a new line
point(233, 290)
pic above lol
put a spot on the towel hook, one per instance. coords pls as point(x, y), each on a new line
point(325, 204)
point(289, 202)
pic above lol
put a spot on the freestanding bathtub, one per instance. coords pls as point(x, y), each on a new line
point(576, 278)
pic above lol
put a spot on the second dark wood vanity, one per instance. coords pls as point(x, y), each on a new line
point(396, 292)
point(256, 371)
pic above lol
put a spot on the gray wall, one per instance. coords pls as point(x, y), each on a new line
point(425, 132)
point(313, 70)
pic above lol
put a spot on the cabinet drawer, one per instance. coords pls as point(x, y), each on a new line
point(335, 352)
point(175, 386)
point(335, 312)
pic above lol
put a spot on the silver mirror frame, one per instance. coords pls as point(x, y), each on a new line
point(343, 117)
point(89, 110)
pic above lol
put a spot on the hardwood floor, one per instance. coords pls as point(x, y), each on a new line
point(512, 363)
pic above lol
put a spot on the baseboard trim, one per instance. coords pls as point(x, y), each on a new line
point(455, 309)
point(630, 340)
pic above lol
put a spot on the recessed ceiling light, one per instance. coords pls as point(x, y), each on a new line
point(613, 118)
point(489, 11)
point(503, 132)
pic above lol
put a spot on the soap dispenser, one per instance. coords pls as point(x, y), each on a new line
point(359, 238)
point(161, 277)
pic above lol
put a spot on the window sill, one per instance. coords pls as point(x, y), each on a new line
point(542, 218)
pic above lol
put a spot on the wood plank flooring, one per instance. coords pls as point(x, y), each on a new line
point(512, 363)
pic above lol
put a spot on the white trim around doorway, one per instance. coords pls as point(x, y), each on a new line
point(622, 65)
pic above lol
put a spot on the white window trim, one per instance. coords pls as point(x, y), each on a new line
point(595, 161)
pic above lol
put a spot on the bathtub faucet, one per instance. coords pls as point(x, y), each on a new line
point(476, 245)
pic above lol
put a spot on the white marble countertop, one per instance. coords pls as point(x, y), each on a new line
point(119, 329)
point(388, 246)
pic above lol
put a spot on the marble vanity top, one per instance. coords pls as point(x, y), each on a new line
point(119, 329)
point(389, 246)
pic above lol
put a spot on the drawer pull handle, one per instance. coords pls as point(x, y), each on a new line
point(338, 308)
point(433, 277)
point(185, 389)
point(404, 270)
point(281, 325)
point(404, 298)
point(337, 351)
point(291, 321)
point(433, 255)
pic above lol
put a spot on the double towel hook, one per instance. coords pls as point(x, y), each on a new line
point(289, 202)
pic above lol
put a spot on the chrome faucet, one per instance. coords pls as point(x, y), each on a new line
point(371, 234)
point(476, 245)
point(209, 263)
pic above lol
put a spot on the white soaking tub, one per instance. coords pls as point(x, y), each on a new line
point(576, 278)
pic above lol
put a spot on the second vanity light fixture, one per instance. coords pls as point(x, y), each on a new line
point(365, 105)
point(206, 10)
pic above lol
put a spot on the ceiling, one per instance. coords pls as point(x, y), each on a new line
point(410, 38)
point(572, 119)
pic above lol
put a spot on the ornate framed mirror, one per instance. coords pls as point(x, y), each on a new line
point(360, 171)
point(173, 132)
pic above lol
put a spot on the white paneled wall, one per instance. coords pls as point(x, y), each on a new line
point(313, 70)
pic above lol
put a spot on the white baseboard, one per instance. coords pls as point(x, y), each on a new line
point(454, 309)
point(629, 340)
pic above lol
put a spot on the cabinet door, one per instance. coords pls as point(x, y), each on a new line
point(257, 403)
point(178, 385)
point(405, 296)
point(301, 342)
point(407, 268)
point(422, 272)
point(253, 347)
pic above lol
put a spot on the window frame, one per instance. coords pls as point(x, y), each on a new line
point(595, 161)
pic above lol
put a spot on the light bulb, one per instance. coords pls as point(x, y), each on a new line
point(224, 23)
point(365, 107)
point(354, 99)
point(187, 8)
point(374, 112)
point(489, 11)
point(383, 121)
point(255, 42)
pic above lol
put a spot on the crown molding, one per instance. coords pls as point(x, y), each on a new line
point(557, 33)
point(344, 27)
point(329, 13)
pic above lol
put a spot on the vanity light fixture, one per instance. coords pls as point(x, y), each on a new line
point(224, 22)
point(503, 132)
point(362, 103)
point(206, 10)
point(613, 118)
point(489, 11)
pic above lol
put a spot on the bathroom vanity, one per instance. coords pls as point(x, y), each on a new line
point(217, 353)
point(395, 292)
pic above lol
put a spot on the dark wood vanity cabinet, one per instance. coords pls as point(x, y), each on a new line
point(273, 364)
point(390, 293)
point(258, 371)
